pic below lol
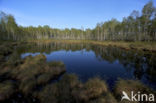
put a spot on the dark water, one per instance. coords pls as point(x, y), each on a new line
point(108, 63)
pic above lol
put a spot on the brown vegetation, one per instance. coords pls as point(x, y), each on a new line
point(7, 88)
point(128, 86)
point(32, 77)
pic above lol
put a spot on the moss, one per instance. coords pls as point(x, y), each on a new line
point(7, 88)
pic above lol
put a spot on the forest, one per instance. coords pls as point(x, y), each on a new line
point(138, 26)
point(43, 64)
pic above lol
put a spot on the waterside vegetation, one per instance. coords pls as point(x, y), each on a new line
point(32, 79)
point(144, 46)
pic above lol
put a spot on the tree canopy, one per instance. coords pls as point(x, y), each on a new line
point(136, 27)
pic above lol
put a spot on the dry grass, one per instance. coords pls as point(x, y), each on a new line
point(128, 86)
point(32, 72)
point(35, 71)
point(70, 90)
point(92, 89)
point(59, 92)
point(95, 87)
point(106, 98)
point(7, 88)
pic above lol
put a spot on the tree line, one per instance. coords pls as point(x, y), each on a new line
point(136, 27)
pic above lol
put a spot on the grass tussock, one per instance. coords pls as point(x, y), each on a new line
point(59, 92)
point(7, 88)
point(5, 50)
point(70, 90)
point(128, 86)
point(32, 72)
point(35, 71)
point(105, 98)
point(92, 89)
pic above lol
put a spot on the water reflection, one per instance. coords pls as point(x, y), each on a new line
point(88, 60)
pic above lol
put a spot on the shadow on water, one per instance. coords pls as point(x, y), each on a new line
point(106, 62)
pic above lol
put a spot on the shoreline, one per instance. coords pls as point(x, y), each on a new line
point(144, 46)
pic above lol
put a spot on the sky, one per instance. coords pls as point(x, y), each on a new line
point(69, 13)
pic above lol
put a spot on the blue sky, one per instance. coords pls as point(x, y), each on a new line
point(69, 13)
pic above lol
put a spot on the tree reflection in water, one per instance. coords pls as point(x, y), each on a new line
point(143, 64)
